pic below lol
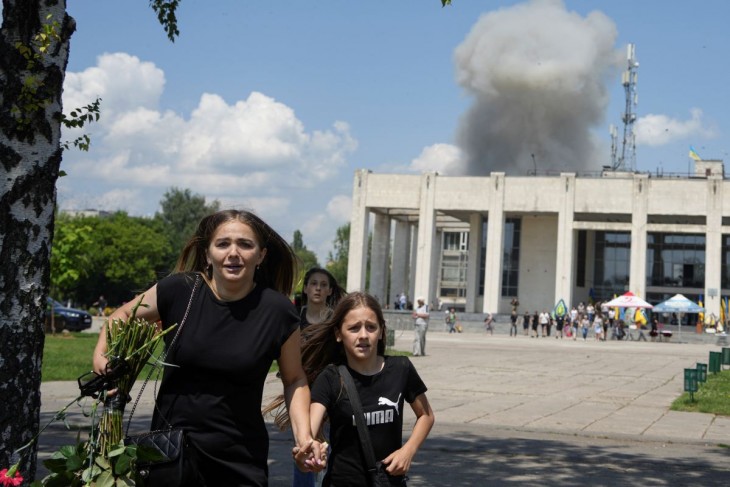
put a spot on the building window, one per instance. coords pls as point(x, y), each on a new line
point(511, 257)
point(725, 279)
point(611, 264)
point(675, 260)
point(454, 263)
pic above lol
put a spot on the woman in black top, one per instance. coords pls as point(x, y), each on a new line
point(240, 320)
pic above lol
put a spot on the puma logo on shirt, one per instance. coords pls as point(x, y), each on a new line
point(381, 416)
point(384, 401)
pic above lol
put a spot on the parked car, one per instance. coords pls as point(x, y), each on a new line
point(70, 319)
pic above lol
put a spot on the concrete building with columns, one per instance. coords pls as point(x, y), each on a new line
point(477, 242)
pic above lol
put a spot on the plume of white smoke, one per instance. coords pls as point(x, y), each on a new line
point(538, 75)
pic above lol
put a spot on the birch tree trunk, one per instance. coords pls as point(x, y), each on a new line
point(31, 83)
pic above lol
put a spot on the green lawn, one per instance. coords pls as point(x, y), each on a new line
point(712, 397)
point(66, 357)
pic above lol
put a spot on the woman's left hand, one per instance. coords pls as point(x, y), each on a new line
point(312, 457)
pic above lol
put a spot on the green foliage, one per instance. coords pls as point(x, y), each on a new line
point(306, 258)
point(712, 397)
point(78, 118)
point(337, 259)
point(117, 256)
point(166, 11)
point(70, 256)
point(181, 212)
point(32, 97)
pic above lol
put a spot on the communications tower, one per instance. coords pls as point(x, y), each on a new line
point(626, 159)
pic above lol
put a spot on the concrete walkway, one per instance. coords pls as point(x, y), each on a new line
point(533, 411)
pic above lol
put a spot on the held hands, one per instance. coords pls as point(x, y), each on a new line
point(312, 457)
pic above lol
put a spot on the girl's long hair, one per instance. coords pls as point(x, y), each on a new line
point(320, 347)
point(278, 268)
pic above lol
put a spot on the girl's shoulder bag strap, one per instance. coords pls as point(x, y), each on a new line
point(362, 430)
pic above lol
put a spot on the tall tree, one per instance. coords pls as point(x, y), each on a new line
point(70, 257)
point(34, 46)
point(181, 212)
point(337, 259)
point(307, 259)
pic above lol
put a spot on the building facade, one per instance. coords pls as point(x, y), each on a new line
point(477, 242)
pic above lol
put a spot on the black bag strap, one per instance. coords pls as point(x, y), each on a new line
point(362, 429)
point(163, 356)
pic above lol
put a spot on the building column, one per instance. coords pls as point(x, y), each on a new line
point(713, 247)
point(400, 265)
point(640, 202)
point(495, 244)
point(413, 231)
point(379, 259)
point(472, 270)
point(426, 233)
point(357, 261)
point(564, 258)
point(436, 256)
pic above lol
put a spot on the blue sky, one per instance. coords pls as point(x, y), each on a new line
point(272, 105)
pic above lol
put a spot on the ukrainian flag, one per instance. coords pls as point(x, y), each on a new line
point(693, 154)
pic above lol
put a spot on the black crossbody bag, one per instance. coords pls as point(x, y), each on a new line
point(376, 470)
point(175, 463)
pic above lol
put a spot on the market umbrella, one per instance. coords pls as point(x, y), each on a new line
point(628, 300)
point(679, 304)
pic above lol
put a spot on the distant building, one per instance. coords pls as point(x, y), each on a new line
point(86, 213)
point(477, 242)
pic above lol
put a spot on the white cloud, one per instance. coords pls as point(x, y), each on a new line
point(253, 153)
point(255, 146)
point(339, 208)
point(446, 159)
point(655, 130)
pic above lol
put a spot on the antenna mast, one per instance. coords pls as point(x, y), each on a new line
point(629, 78)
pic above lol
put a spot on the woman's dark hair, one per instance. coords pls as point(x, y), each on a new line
point(337, 291)
point(320, 347)
point(276, 271)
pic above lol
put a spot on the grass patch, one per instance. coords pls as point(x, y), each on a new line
point(68, 356)
point(712, 397)
point(397, 353)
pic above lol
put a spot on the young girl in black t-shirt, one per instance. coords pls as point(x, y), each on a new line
point(355, 336)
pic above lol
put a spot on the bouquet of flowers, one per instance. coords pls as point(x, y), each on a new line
point(103, 460)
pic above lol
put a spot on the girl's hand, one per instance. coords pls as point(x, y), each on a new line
point(398, 462)
point(311, 457)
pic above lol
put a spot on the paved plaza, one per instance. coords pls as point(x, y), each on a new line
point(534, 411)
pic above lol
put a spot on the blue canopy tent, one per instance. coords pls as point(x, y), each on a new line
point(679, 304)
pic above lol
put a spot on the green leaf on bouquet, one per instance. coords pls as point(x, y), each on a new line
point(74, 462)
point(103, 463)
point(115, 452)
point(55, 465)
point(122, 465)
point(106, 479)
point(68, 451)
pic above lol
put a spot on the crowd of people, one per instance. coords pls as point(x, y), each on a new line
point(597, 321)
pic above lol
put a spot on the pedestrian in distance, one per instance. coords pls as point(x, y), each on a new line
point(420, 326)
